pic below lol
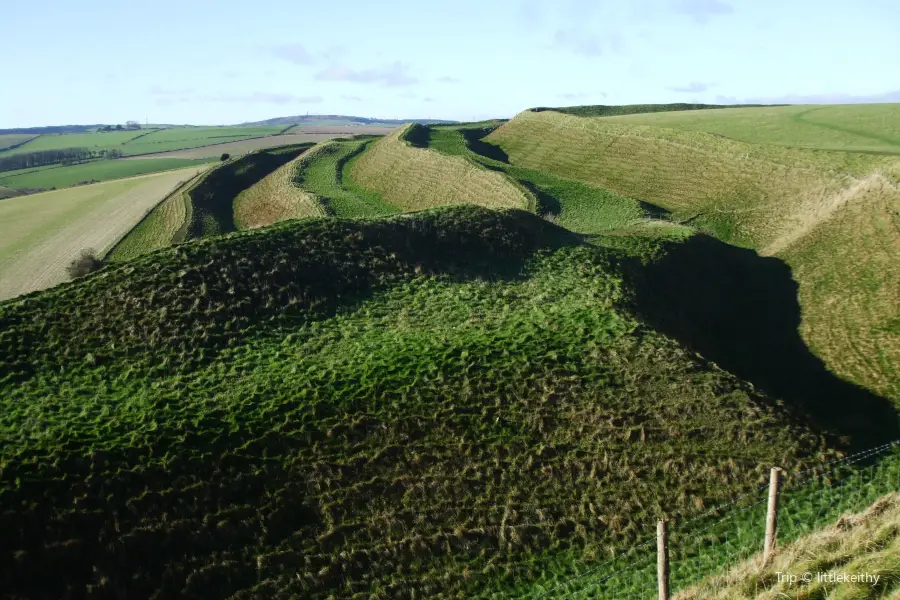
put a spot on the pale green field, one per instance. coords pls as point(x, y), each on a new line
point(145, 141)
point(41, 233)
point(11, 139)
point(851, 127)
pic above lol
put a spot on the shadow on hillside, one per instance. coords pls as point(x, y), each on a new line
point(474, 138)
point(741, 311)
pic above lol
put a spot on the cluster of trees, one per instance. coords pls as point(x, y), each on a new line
point(129, 126)
point(65, 156)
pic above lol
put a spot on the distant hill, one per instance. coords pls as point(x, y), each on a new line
point(52, 129)
point(341, 120)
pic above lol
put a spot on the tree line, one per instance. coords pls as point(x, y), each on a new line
point(65, 156)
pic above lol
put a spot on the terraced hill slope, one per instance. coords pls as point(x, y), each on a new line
point(830, 215)
point(454, 403)
point(414, 178)
point(276, 197)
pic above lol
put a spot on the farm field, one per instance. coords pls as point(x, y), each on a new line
point(853, 128)
point(54, 176)
point(414, 178)
point(452, 399)
point(41, 233)
point(243, 147)
point(146, 141)
point(13, 139)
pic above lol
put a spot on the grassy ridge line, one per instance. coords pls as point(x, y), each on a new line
point(14, 140)
point(157, 228)
point(412, 178)
point(743, 193)
point(601, 110)
point(6, 192)
point(441, 404)
point(276, 197)
point(854, 128)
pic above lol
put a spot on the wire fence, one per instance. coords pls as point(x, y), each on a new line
point(731, 533)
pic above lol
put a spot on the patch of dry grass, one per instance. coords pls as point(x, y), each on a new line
point(413, 178)
point(868, 542)
point(277, 198)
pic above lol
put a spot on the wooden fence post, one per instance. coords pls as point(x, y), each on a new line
point(662, 559)
point(772, 515)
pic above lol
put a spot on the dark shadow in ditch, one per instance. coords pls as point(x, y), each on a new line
point(740, 310)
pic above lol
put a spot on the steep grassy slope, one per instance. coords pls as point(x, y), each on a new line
point(159, 228)
point(573, 204)
point(276, 197)
point(413, 178)
point(448, 404)
point(868, 542)
point(746, 194)
point(854, 128)
point(213, 198)
point(758, 196)
point(326, 177)
point(848, 264)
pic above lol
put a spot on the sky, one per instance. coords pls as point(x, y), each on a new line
point(227, 62)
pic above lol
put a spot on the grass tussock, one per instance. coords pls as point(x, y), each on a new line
point(413, 178)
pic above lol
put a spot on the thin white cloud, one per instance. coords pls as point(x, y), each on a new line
point(393, 75)
point(294, 53)
point(158, 90)
point(834, 98)
point(351, 98)
point(448, 79)
point(702, 11)
point(693, 87)
point(578, 42)
point(408, 95)
point(430, 99)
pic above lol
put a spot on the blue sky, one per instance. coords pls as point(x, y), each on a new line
point(224, 61)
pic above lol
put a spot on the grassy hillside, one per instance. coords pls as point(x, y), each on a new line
point(159, 228)
point(777, 200)
point(325, 174)
point(9, 140)
point(58, 176)
point(855, 128)
point(277, 197)
point(412, 177)
point(444, 404)
point(575, 205)
point(868, 542)
point(212, 198)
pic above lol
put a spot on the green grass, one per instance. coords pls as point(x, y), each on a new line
point(100, 170)
point(853, 128)
point(447, 404)
point(327, 178)
point(575, 205)
point(212, 198)
point(145, 141)
point(13, 139)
